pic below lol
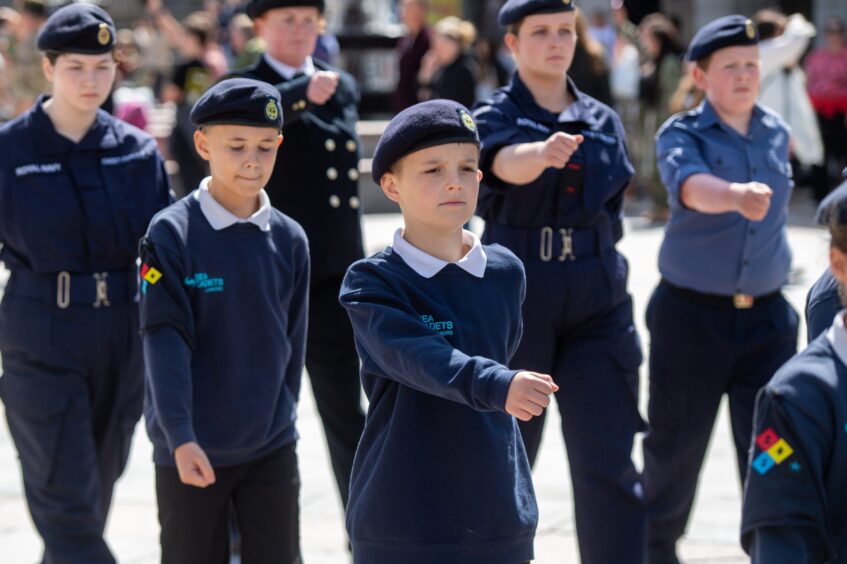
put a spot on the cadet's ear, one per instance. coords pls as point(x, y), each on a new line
point(279, 140)
point(838, 262)
point(478, 175)
point(388, 183)
point(201, 143)
point(47, 68)
point(699, 76)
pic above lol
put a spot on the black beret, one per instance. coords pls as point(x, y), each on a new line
point(514, 11)
point(421, 126)
point(78, 28)
point(728, 31)
point(239, 101)
point(256, 8)
point(834, 206)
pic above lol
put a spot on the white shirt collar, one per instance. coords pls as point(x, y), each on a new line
point(426, 265)
point(837, 336)
point(287, 71)
point(220, 218)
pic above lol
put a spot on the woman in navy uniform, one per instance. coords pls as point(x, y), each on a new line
point(795, 495)
point(555, 167)
point(77, 189)
point(315, 182)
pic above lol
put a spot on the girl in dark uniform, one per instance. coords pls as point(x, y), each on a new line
point(77, 189)
point(555, 167)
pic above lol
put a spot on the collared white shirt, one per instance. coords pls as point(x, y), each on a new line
point(287, 71)
point(426, 265)
point(220, 218)
point(837, 336)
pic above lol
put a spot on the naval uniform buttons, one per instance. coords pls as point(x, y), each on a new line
point(353, 174)
point(334, 201)
point(355, 203)
point(351, 145)
point(330, 145)
point(331, 173)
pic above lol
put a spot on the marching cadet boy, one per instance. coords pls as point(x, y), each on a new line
point(77, 190)
point(823, 301)
point(223, 321)
point(718, 321)
point(795, 496)
point(441, 474)
point(556, 166)
point(315, 182)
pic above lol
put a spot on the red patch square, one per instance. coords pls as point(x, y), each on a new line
point(767, 439)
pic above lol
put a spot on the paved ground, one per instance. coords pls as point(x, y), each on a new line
point(712, 536)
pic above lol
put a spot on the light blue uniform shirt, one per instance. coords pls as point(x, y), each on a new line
point(725, 253)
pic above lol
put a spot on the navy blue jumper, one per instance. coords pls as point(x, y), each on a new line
point(223, 325)
point(795, 496)
point(71, 215)
point(440, 474)
point(578, 323)
point(718, 321)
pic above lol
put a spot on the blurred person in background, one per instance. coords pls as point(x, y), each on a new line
point(602, 30)
point(24, 61)
point(687, 94)
point(784, 40)
point(410, 52)
point(589, 68)
point(244, 44)
point(448, 70)
point(826, 71)
point(495, 67)
point(660, 75)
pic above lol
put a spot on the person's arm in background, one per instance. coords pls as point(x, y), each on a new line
point(785, 50)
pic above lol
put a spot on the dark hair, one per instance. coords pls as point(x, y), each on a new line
point(53, 56)
point(201, 26)
point(771, 23)
point(592, 47)
point(837, 233)
point(666, 33)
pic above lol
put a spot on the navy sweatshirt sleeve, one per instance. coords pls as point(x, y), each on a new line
point(298, 315)
point(167, 337)
point(394, 343)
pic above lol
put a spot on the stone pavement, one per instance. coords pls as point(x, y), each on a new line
point(712, 535)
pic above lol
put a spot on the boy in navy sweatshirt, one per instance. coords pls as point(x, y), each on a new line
point(440, 474)
point(223, 321)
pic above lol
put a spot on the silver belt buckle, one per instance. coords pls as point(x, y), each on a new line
point(546, 250)
point(567, 245)
point(63, 289)
point(102, 290)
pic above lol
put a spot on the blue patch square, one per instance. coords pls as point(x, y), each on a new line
point(763, 463)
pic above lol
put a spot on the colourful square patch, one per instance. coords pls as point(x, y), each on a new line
point(150, 274)
point(763, 463)
point(780, 451)
point(767, 439)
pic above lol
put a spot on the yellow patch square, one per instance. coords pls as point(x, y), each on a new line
point(152, 275)
point(780, 451)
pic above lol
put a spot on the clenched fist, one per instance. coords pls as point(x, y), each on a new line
point(321, 87)
point(557, 150)
point(752, 199)
point(529, 394)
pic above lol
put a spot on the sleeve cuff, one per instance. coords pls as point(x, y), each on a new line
point(178, 434)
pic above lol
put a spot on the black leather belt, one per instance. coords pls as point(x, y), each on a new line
point(64, 289)
point(548, 244)
point(736, 301)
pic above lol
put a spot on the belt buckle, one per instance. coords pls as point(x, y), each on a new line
point(63, 289)
point(102, 289)
point(567, 245)
point(546, 250)
point(742, 301)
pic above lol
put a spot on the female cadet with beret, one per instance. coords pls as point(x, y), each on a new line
point(795, 497)
point(555, 167)
point(77, 189)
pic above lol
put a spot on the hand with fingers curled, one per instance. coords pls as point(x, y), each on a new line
point(752, 199)
point(193, 465)
point(529, 394)
point(321, 87)
point(558, 149)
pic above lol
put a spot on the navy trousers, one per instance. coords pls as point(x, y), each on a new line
point(700, 351)
point(578, 327)
point(72, 390)
point(333, 366)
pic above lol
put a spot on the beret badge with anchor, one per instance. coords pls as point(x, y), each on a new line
point(103, 34)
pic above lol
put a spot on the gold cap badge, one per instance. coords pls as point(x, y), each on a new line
point(271, 110)
point(467, 120)
point(750, 29)
point(104, 35)
point(567, 2)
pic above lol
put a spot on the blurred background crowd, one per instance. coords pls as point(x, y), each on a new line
point(630, 55)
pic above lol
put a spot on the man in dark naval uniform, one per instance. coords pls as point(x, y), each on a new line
point(315, 181)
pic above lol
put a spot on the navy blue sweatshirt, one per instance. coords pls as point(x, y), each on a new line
point(440, 474)
point(795, 496)
point(223, 321)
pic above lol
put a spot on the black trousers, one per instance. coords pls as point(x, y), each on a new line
point(264, 496)
point(698, 353)
point(333, 367)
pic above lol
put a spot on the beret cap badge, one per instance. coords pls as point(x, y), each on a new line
point(467, 120)
point(271, 110)
point(103, 34)
point(749, 29)
point(566, 2)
